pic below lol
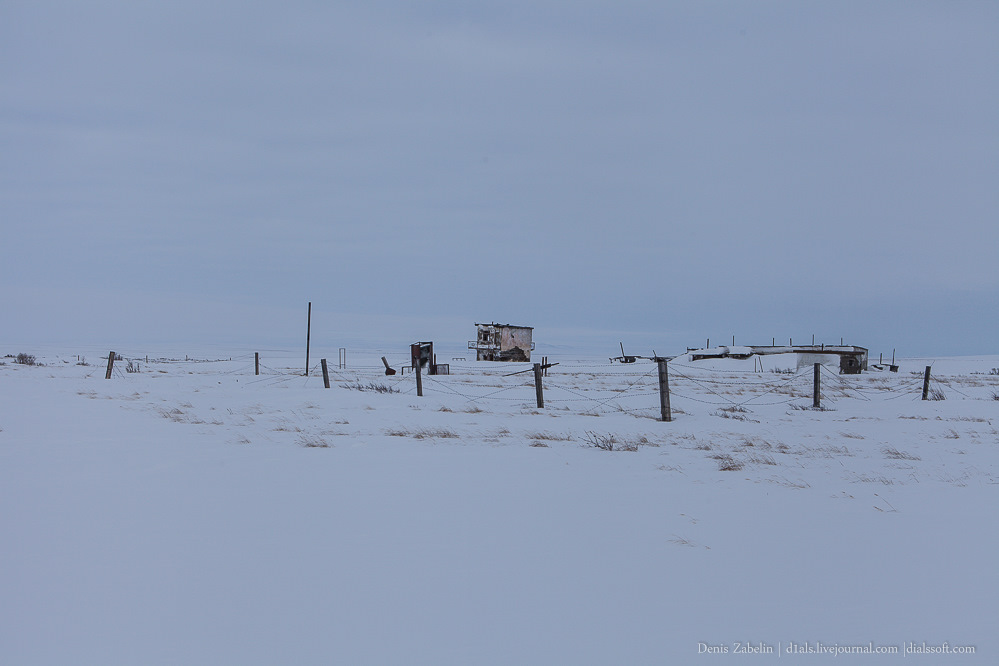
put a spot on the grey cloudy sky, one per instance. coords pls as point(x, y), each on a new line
point(658, 172)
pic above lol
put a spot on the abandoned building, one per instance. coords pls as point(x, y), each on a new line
point(850, 359)
point(502, 342)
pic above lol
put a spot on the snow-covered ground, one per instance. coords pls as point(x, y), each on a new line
point(194, 513)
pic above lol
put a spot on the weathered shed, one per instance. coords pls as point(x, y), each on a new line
point(502, 342)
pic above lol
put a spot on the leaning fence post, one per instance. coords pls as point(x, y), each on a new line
point(111, 365)
point(664, 408)
point(537, 386)
point(419, 380)
point(817, 388)
point(926, 384)
point(326, 373)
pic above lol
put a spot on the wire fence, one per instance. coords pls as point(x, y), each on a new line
point(592, 388)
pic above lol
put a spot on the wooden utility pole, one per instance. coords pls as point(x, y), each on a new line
point(664, 408)
point(308, 339)
point(817, 388)
point(256, 363)
point(537, 386)
point(326, 373)
point(926, 384)
point(107, 375)
point(419, 380)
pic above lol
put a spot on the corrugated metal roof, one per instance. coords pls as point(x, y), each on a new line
point(503, 325)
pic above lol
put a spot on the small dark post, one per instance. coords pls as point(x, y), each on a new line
point(110, 365)
point(666, 413)
point(326, 373)
point(419, 381)
point(926, 384)
point(308, 338)
point(537, 386)
point(256, 363)
point(816, 388)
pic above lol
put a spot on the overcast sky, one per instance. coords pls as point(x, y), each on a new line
point(652, 172)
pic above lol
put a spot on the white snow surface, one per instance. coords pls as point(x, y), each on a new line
point(194, 513)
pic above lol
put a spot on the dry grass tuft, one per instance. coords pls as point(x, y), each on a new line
point(423, 433)
point(727, 463)
point(370, 386)
point(894, 454)
point(313, 442)
point(761, 459)
point(608, 442)
point(550, 436)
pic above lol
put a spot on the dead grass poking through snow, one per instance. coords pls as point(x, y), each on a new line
point(734, 412)
point(727, 463)
point(423, 433)
point(611, 442)
point(608, 442)
point(761, 459)
point(550, 436)
point(313, 442)
point(894, 454)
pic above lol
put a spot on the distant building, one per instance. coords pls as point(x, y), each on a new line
point(502, 342)
point(850, 359)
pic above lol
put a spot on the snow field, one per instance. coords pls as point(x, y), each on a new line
point(195, 513)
